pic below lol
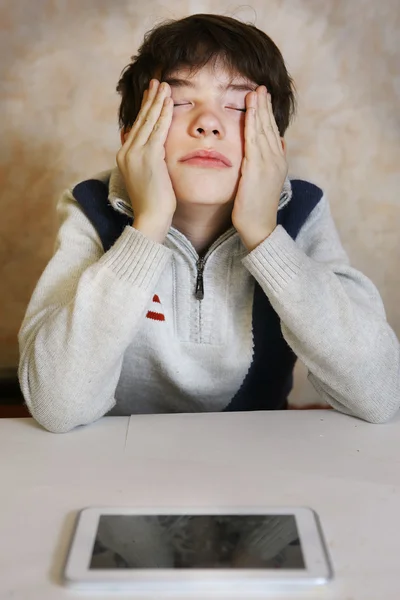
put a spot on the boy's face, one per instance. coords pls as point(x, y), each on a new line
point(208, 115)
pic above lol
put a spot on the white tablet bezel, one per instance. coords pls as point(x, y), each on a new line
point(78, 576)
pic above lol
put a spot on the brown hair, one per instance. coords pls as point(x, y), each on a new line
point(194, 42)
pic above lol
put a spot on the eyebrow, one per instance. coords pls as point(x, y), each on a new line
point(237, 87)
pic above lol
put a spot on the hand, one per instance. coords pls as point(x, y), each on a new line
point(141, 160)
point(263, 172)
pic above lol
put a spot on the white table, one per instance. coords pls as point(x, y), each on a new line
point(347, 470)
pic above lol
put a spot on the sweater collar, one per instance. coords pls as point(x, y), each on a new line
point(119, 199)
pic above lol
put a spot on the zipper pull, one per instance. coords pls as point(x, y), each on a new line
point(199, 293)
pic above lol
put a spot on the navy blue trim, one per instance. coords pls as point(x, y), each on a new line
point(92, 196)
point(270, 377)
point(305, 198)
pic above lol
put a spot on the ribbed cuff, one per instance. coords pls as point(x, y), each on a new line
point(136, 258)
point(276, 261)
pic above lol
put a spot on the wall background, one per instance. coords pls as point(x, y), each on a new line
point(60, 62)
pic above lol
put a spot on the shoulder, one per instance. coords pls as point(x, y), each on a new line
point(306, 196)
point(306, 192)
point(92, 196)
point(92, 190)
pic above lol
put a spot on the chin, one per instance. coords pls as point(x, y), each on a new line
point(202, 197)
point(205, 190)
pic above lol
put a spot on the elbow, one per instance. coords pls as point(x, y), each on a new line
point(369, 412)
point(62, 414)
point(59, 419)
point(56, 413)
point(371, 391)
point(373, 405)
point(383, 401)
point(52, 413)
point(378, 415)
point(59, 411)
point(376, 409)
point(384, 395)
point(54, 425)
point(51, 420)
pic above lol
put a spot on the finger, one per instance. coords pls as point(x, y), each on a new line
point(264, 120)
point(160, 130)
point(263, 139)
point(149, 95)
point(274, 125)
point(250, 125)
point(147, 124)
point(144, 98)
point(147, 100)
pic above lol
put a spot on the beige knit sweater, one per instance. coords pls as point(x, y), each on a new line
point(91, 342)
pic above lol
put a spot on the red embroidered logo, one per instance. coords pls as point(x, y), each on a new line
point(155, 314)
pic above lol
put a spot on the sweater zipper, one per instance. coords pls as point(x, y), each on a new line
point(201, 262)
point(199, 292)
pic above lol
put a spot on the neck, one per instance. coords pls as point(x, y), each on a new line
point(202, 225)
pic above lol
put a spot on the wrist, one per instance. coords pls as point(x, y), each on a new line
point(154, 230)
point(254, 238)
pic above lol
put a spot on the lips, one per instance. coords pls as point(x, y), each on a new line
point(208, 155)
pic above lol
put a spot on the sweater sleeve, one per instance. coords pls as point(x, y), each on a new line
point(332, 317)
point(83, 314)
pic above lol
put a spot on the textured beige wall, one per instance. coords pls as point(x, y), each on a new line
point(60, 62)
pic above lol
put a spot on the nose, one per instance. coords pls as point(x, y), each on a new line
point(207, 124)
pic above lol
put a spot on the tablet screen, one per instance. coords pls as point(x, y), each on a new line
point(197, 542)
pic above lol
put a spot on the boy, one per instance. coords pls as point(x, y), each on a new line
point(227, 272)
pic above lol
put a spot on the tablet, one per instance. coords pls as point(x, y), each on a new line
point(196, 550)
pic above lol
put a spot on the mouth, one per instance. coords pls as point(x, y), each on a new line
point(206, 158)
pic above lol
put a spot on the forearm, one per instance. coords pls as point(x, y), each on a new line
point(333, 319)
point(72, 343)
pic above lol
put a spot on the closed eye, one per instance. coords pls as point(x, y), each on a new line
point(231, 107)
